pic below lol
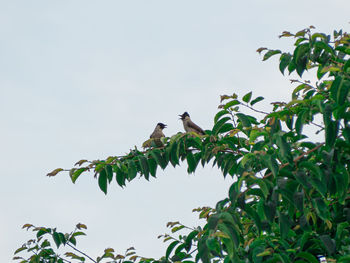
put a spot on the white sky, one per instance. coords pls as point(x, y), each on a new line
point(89, 79)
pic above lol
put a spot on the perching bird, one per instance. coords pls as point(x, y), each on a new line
point(189, 126)
point(155, 136)
point(158, 131)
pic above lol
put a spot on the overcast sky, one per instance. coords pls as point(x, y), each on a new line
point(90, 79)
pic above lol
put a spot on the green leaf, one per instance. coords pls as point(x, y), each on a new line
point(296, 91)
point(20, 249)
point(319, 185)
point(344, 259)
point(331, 133)
point(244, 119)
point(254, 215)
point(285, 59)
point(307, 256)
point(230, 231)
point(234, 192)
point(178, 253)
point(335, 87)
point(109, 171)
point(292, 66)
point(191, 162)
point(298, 199)
point(218, 125)
point(213, 221)
point(300, 57)
point(347, 66)
point(231, 104)
point(247, 158)
point(177, 228)
point(170, 248)
point(284, 224)
point(285, 149)
point(247, 97)
point(102, 181)
point(144, 166)
point(62, 238)
point(180, 150)
point(343, 92)
point(321, 208)
point(271, 164)
point(194, 142)
point(324, 46)
point(74, 176)
point(79, 233)
point(219, 115)
point(225, 128)
point(214, 245)
point(341, 178)
point(270, 211)
point(340, 230)
point(132, 170)
point(173, 154)
point(263, 186)
point(300, 121)
point(158, 157)
point(346, 134)
point(320, 71)
point(57, 239)
point(227, 218)
point(302, 179)
point(267, 252)
point(120, 177)
point(256, 100)
point(318, 35)
point(152, 167)
point(328, 243)
point(203, 252)
point(310, 166)
point(270, 53)
point(229, 163)
point(304, 238)
point(189, 239)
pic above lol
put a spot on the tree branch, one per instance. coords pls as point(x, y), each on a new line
point(259, 111)
point(298, 158)
point(286, 164)
point(81, 252)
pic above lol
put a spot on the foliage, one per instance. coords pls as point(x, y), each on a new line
point(290, 199)
point(41, 249)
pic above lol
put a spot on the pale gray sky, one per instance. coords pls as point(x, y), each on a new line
point(89, 79)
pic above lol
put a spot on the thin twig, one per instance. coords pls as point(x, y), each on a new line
point(319, 126)
point(298, 158)
point(259, 111)
point(81, 252)
point(193, 251)
point(286, 164)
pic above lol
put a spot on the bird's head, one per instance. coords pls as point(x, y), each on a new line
point(161, 125)
point(184, 115)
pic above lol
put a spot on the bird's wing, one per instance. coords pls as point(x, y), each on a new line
point(195, 127)
point(157, 134)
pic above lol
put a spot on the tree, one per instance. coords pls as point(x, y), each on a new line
point(290, 200)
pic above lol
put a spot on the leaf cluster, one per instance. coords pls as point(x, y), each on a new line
point(290, 199)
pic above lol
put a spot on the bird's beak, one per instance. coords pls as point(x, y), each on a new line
point(180, 117)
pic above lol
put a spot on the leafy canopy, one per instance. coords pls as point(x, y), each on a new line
point(289, 200)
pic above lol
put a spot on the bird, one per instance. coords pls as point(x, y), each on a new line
point(158, 131)
point(189, 125)
point(155, 136)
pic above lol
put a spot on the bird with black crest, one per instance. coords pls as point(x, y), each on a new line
point(155, 136)
point(189, 125)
